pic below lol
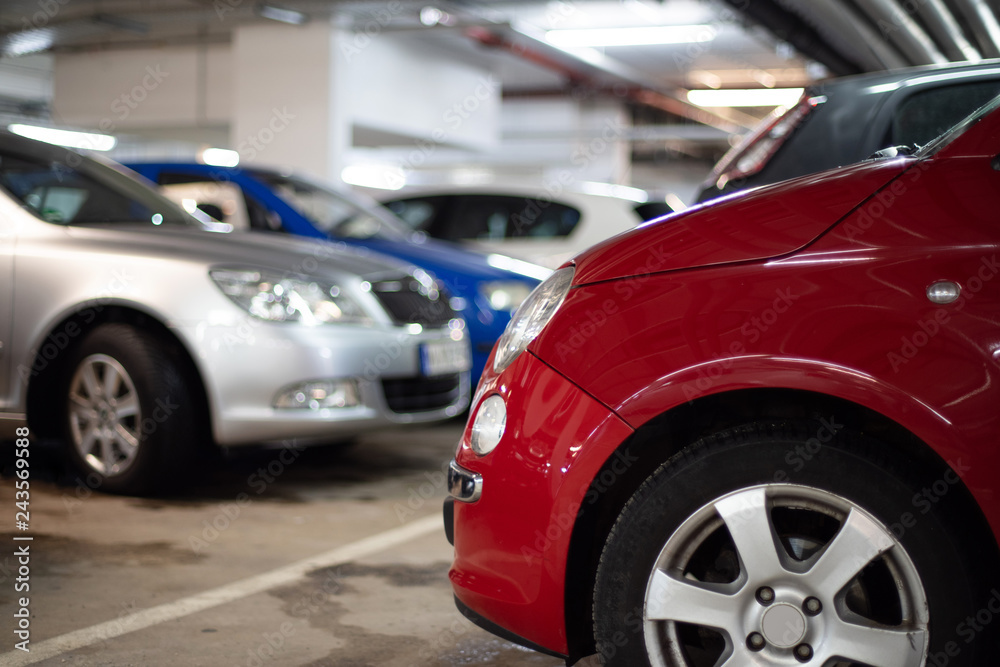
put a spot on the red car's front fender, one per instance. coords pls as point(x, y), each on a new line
point(511, 545)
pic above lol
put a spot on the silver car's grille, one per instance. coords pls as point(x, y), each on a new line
point(409, 302)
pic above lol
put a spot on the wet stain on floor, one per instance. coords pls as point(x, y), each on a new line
point(495, 652)
point(397, 575)
point(160, 504)
point(338, 600)
point(57, 551)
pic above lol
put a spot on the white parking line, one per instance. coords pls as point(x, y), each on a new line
point(221, 595)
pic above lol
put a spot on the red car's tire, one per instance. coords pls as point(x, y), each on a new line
point(763, 545)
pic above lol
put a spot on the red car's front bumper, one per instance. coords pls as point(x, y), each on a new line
point(511, 544)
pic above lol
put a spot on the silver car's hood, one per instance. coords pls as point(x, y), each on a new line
point(240, 249)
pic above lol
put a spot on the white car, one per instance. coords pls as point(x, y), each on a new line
point(523, 222)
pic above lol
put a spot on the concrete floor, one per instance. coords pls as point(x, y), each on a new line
point(214, 576)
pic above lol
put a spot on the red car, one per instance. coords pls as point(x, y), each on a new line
point(765, 431)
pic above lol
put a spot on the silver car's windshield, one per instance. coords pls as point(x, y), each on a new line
point(77, 190)
point(335, 213)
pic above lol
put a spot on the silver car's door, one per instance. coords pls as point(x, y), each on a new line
point(8, 238)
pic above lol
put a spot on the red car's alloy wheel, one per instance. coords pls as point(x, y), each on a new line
point(713, 562)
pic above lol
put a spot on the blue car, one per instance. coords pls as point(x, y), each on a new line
point(485, 289)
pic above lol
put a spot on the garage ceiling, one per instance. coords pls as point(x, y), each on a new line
point(847, 36)
point(850, 36)
point(753, 44)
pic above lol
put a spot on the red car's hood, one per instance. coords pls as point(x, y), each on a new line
point(760, 224)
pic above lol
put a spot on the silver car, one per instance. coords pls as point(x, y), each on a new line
point(135, 335)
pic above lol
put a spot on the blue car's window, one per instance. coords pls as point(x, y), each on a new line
point(90, 194)
point(334, 212)
point(224, 200)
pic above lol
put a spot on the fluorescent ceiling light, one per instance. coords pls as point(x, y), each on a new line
point(28, 41)
point(638, 36)
point(382, 177)
point(675, 202)
point(468, 176)
point(281, 14)
point(612, 190)
point(706, 78)
point(68, 138)
point(751, 97)
point(220, 157)
point(432, 16)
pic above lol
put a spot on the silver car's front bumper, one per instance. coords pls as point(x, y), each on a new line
point(245, 367)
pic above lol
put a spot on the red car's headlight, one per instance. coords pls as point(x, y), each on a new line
point(532, 316)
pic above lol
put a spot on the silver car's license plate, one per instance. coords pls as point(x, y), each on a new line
point(445, 357)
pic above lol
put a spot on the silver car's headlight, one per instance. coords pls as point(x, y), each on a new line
point(532, 316)
point(270, 296)
point(505, 296)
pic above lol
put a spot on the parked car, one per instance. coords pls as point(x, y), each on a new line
point(137, 335)
point(542, 227)
point(761, 432)
point(488, 287)
point(843, 121)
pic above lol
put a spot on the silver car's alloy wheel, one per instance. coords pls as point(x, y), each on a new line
point(104, 415)
point(784, 574)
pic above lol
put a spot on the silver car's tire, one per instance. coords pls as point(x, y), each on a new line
point(730, 555)
point(129, 420)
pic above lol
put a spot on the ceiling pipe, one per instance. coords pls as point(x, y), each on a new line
point(849, 33)
point(121, 23)
point(629, 87)
point(132, 44)
point(945, 30)
point(696, 134)
point(138, 17)
point(983, 23)
point(898, 27)
point(672, 99)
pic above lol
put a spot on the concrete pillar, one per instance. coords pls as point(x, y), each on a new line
point(584, 140)
point(285, 113)
point(170, 90)
point(305, 96)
